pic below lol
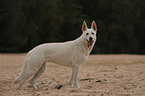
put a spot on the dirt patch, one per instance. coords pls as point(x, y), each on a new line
point(102, 75)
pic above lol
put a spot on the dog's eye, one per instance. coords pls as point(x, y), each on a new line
point(87, 33)
point(92, 33)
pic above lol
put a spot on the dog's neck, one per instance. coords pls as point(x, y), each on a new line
point(83, 45)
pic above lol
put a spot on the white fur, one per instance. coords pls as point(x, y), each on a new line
point(73, 54)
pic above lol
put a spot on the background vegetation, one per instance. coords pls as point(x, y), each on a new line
point(26, 23)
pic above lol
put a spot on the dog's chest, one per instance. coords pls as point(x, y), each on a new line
point(79, 59)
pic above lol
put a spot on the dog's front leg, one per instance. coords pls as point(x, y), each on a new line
point(76, 74)
point(71, 82)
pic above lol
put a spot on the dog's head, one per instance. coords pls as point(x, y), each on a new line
point(89, 35)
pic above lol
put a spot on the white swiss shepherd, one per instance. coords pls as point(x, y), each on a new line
point(72, 53)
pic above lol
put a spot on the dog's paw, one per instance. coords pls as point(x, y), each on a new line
point(77, 85)
point(20, 88)
point(71, 85)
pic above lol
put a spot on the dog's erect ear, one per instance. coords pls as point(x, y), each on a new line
point(93, 26)
point(84, 26)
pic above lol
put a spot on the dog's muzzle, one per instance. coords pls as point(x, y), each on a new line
point(90, 42)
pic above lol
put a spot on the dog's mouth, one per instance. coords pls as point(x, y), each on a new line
point(90, 43)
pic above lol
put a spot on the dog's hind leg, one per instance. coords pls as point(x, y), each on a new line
point(32, 68)
point(36, 75)
point(26, 76)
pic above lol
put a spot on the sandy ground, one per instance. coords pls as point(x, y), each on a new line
point(102, 75)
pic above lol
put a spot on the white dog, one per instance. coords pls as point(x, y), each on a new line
point(73, 54)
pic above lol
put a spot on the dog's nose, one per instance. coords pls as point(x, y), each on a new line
point(90, 38)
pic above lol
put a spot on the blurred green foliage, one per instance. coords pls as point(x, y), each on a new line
point(25, 24)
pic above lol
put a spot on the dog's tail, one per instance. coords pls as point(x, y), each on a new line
point(17, 80)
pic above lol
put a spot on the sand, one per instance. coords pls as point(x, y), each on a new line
point(102, 75)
